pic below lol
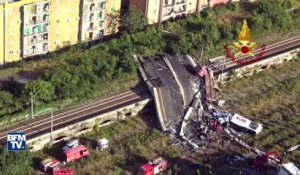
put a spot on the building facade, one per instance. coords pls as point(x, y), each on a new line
point(161, 10)
point(34, 27)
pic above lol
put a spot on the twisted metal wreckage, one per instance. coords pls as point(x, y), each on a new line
point(203, 121)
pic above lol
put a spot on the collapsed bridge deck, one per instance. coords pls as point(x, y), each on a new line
point(172, 83)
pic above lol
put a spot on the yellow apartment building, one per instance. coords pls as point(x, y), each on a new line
point(161, 10)
point(35, 27)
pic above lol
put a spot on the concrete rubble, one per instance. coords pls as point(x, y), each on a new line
point(202, 122)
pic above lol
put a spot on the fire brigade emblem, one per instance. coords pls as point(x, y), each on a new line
point(244, 45)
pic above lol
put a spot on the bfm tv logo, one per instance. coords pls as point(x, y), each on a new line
point(16, 141)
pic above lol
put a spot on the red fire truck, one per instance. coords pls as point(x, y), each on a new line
point(62, 171)
point(76, 153)
point(48, 164)
point(152, 168)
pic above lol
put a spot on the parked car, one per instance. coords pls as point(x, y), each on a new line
point(236, 160)
point(71, 144)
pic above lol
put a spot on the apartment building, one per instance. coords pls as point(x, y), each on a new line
point(34, 27)
point(162, 10)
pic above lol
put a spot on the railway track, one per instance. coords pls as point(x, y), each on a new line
point(62, 118)
point(65, 117)
point(271, 50)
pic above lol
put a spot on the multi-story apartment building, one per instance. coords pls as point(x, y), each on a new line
point(34, 27)
point(162, 10)
point(92, 19)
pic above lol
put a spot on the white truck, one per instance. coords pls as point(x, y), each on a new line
point(245, 123)
point(102, 144)
point(289, 169)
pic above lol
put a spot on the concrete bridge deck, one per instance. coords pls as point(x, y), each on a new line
point(171, 85)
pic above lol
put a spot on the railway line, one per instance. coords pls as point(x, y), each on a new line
point(65, 117)
point(62, 118)
point(271, 50)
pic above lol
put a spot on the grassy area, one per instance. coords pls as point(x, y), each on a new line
point(133, 142)
point(105, 90)
point(82, 72)
point(272, 98)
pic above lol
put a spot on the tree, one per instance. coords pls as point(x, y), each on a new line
point(112, 21)
point(6, 99)
point(8, 103)
point(15, 163)
point(42, 90)
point(133, 21)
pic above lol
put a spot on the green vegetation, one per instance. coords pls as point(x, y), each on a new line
point(133, 21)
point(15, 163)
point(80, 72)
point(131, 144)
point(272, 98)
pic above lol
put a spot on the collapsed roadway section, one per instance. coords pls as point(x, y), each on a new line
point(173, 84)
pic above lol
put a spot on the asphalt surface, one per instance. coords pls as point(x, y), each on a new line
point(185, 74)
point(169, 91)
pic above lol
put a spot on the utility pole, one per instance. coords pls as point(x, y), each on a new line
point(51, 136)
point(202, 45)
point(31, 101)
point(201, 52)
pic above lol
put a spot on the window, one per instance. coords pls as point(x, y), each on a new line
point(26, 31)
point(100, 33)
point(11, 52)
point(39, 27)
point(99, 15)
point(85, 8)
point(253, 126)
point(101, 24)
point(84, 17)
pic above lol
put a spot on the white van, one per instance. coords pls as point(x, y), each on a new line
point(71, 144)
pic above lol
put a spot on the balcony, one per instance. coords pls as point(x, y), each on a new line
point(92, 7)
point(181, 9)
point(37, 9)
point(168, 11)
point(91, 17)
point(91, 27)
point(101, 5)
point(101, 25)
point(33, 40)
point(168, 3)
point(46, 7)
point(35, 50)
point(181, 2)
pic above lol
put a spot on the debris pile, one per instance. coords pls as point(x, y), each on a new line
point(188, 109)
